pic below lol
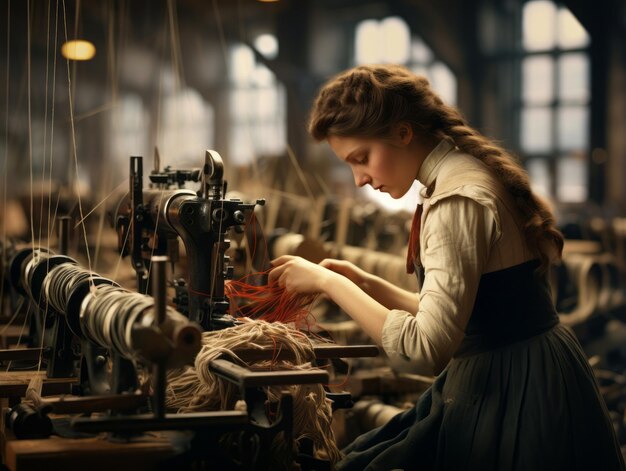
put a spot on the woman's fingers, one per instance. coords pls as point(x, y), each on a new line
point(295, 274)
point(327, 262)
point(282, 260)
point(278, 265)
point(275, 272)
point(344, 268)
point(338, 266)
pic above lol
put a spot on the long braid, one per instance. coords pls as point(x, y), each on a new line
point(368, 100)
point(539, 220)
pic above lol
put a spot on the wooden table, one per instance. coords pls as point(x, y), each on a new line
point(13, 384)
point(91, 454)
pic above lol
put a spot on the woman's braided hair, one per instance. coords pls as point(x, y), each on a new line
point(367, 101)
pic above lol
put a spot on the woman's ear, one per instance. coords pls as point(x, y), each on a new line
point(404, 133)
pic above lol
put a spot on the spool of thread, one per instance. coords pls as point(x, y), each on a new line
point(611, 295)
point(297, 244)
point(28, 422)
point(125, 321)
point(373, 413)
point(586, 273)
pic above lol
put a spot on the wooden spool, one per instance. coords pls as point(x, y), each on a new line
point(352, 254)
point(619, 230)
point(611, 295)
point(285, 244)
point(373, 413)
point(370, 261)
point(297, 244)
point(586, 272)
point(585, 247)
point(384, 265)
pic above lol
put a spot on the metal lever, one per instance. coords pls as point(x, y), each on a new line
point(212, 175)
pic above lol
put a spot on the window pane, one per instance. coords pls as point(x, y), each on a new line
point(396, 40)
point(241, 149)
point(240, 104)
point(539, 175)
point(266, 103)
point(267, 138)
point(574, 77)
point(571, 33)
point(368, 42)
point(241, 64)
point(420, 52)
point(536, 132)
point(262, 76)
point(539, 21)
point(129, 131)
point(444, 82)
point(256, 106)
point(571, 179)
point(537, 79)
point(186, 125)
point(572, 127)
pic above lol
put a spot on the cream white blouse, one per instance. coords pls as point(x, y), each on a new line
point(469, 227)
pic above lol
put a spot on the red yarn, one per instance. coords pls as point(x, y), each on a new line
point(270, 302)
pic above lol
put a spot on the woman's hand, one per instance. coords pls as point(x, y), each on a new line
point(347, 269)
point(299, 275)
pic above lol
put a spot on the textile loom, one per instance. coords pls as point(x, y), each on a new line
point(123, 360)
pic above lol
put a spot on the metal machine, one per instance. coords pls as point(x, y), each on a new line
point(149, 221)
point(100, 333)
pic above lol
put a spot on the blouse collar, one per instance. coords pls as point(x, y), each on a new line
point(432, 163)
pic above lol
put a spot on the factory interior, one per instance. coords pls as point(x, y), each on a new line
point(155, 159)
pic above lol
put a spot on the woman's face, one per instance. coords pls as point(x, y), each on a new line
point(389, 165)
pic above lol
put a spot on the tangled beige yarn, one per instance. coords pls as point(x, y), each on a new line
point(196, 388)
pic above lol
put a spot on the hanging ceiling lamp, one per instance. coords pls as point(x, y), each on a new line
point(78, 50)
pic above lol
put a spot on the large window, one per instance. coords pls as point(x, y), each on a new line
point(257, 104)
point(186, 128)
point(183, 125)
point(129, 134)
point(554, 105)
point(391, 41)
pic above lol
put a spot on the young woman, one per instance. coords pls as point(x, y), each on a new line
point(513, 390)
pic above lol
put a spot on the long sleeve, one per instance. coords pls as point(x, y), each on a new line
point(456, 240)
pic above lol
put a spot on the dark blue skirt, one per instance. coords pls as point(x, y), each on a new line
point(530, 405)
